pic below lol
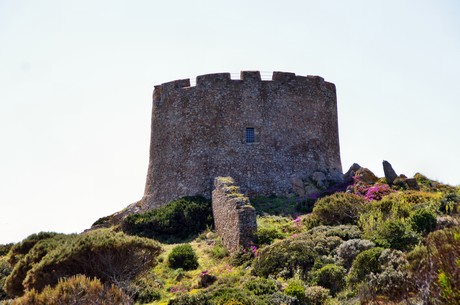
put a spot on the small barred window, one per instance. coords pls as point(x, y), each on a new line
point(249, 135)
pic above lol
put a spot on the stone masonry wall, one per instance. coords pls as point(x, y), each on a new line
point(234, 217)
point(198, 133)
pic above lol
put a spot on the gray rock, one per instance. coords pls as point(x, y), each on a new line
point(298, 186)
point(352, 171)
point(412, 184)
point(319, 179)
point(390, 173)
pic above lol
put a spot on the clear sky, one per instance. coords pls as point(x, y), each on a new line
point(76, 79)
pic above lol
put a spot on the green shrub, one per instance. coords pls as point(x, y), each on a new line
point(180, 218)
point(5, 248)
point(396, 234)
point(316, 295)
point(18, 250)
point(234, 296)
point(423, 221)
point(183, 256)
point(195, 299)
point(284, 258)
point(261, 286)
point(365, 263)
point(112, 257)
point(295, 288)
point(147, 295)
point(242, 258)
point(145, 289)
point(329, 276)
point(347, 251)
point(450, 203)
point(266, 236)
point(435, 266)
point(279, 298)
point(26, 261)
point(339, 208)
point(77, 290)
point(5, 270)
point(218, 251)
point(391, 281)
point(345, 232)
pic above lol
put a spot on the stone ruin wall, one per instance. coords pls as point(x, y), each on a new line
point(197, 134)
point(234, 217)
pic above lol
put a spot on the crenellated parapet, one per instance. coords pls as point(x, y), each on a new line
point(217, 80)
point(260, 132)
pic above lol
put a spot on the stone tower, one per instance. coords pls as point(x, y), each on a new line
point(262, 133)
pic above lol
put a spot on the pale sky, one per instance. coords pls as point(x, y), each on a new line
point(76, 79)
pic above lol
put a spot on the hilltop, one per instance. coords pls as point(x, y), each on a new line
point(365, 242)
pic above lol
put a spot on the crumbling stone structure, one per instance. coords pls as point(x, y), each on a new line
point(266, 134)
point(234, 217)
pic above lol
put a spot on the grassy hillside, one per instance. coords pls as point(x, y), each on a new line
point(374, 244)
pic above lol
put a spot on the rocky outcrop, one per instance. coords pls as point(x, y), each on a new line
point(366, 175)
point(316, 182)
point(390, 174)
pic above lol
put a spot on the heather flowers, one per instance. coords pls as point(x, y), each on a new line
point(377, 192)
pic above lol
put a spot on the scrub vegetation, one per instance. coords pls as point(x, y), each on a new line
point(395, 246)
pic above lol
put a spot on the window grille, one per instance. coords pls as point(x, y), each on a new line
point(249, 135)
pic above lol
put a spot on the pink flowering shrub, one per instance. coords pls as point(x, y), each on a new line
point(377, 192)
point(371, 192)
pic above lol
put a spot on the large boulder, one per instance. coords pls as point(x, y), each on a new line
point(390, 174)
point(365, 175)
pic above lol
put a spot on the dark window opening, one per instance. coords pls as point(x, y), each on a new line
point(249, 135)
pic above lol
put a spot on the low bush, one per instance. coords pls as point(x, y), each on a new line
point(365, 263)
point(26, 261)
point(279, 298)
point(266, 236)
point(261, 286)
point(295, 288)
point(423, 221)
point(329, 276)
point(145, 289)
point(396, 234)
point(5, 270)
point(284, 258)
point(344, 232)
point(450, 203)
point(242, 258)
point(392, 280)
point(183, 256)
point(180, 218)
point(112, 257)
point(339, 208)
point(316, 295)
point(347, 251)
point(223, 296)
point(435, 264)
point(76, 290)
point(219, 251)
point(18, 250)
point(5, 248)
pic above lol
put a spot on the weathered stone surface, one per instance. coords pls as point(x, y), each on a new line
point(298, 186)
point(198, 133)
point(351, 171)
point(234, 217)
point(319, 179)
point(390, 174)
point(365, 175)
point(412, 184)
